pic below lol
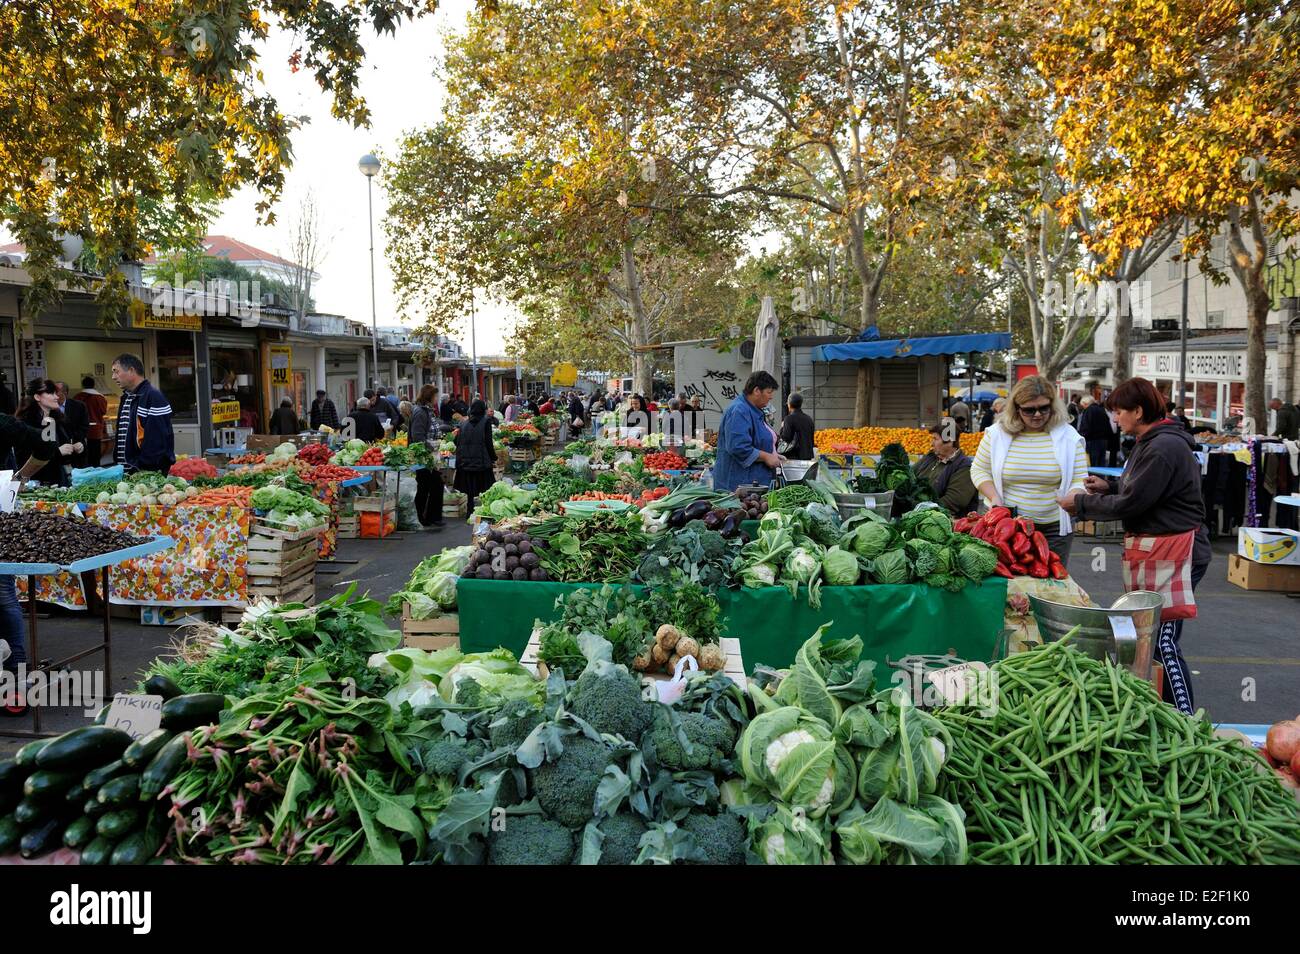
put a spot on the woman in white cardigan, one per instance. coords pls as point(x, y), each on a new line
point(1030, 457)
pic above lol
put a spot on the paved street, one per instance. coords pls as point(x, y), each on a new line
point(1244, 648)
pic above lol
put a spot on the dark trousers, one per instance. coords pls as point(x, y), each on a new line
point(1096, 453)
point(428, 497)
point(1177, 688)
point(1060, 545)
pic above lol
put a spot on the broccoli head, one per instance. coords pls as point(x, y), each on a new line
point(512, 723)
point(609, 699)
point(566, 788)
point(712, 741)
point(445, 756)
point(723, 838)
point(622, 839)
point(530, 840)
point(469, 693)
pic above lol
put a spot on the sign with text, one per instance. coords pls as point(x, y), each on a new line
point(225, 412)
point(33, 355)
point(168, 321)
point(137, 716)
point(281, 361)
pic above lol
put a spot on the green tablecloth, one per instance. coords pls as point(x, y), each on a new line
point(893, 621)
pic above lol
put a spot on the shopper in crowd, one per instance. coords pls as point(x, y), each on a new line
point(1159, 501)
point(1094, 426)
point(959, 411)
point(77, 418)
point(475, 455)
point(366, 425)
point(96, 406)
point(797, 430)
point(1030, 457)
point(1176, 413)
point(8, 400)
point(1073, 410)
point(40, 410)
point(323, 412)
point(284, 421)
point(746, 445)
point(947, 469)
point(404, 411)
point(1286, 424)
point(144, 420)
point(548, 406)
point(426, 429)
point(577, 415)
point(991, 415)
point(510, 410)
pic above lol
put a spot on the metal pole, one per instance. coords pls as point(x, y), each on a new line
point(1182, 336)
point(374, 315)
point(473, 344)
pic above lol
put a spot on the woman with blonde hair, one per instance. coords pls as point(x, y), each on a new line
point(1030, 457)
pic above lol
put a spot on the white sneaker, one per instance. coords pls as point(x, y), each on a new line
point(5, 651)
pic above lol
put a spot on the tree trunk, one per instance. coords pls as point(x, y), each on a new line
point(1257, 305)
point(1119, 359)
point(867, 311)
point(639, 322)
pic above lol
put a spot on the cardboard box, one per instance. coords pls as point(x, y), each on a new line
point(1269, 545)
point(1261, 576)
point(170, 616)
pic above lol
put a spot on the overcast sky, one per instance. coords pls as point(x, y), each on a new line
point(399, 87)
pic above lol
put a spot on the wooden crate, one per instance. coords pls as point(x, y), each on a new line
point(348, 527)
point(266, 528)
point(735, 667)
point(429, 634)
point(374, 504)
point(455, 505)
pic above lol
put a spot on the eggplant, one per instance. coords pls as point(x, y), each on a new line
point(712, 520)
point(731, 526)
point(744, 537)
point(696, 510)
point(677, 519)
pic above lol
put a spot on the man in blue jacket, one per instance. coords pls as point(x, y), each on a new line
point(746, 444)
point(144, 439)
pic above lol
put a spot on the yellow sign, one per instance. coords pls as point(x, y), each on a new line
point(564, 375)
point(173, 319)
point(281, 362)
point(225, 412)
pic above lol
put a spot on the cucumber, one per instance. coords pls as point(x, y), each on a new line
point(97, 778)
point(80, 833)
point(26, 756)
point(85, 748)
point(41, 839)
point(141, 752)
point(102, 715)
point(98, 852)
point(31, 812)
point(11, 834)
point(11, 774)
point(196, 709)
point(46, 785)
point(135, 849)
point(116, 824)
point(94, 807)
point(160, 686)
point(164, 766)
point(120, 792)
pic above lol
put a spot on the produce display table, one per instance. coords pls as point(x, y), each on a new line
point(1106, 471)
point(101, 563)
point(893, 621)
point(383, 485)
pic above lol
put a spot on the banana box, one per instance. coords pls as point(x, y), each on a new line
point(1269, 545)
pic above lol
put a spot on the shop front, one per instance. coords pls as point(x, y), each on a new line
point(1216, 376)
point(235, 368)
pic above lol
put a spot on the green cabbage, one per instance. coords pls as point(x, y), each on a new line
point(928, 522)
point(924, 556)
point(840, 567)
point(891, 567)
point(976, 559)
point(870, 539)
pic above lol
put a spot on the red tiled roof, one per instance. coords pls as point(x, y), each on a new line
point(13, 248)
point(223, 246)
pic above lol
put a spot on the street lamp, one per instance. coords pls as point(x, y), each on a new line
point(369, 167)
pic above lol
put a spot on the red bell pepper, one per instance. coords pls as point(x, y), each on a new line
point(1026, 526)
point(1040, 547)
point(997, 515)
point(1004, 531)
point(1020, 544)
point(1038, 570)
point(1058, 571)
point(1004, 554)
point(1001, 570)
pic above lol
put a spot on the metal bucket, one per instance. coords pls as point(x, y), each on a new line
point(796, 470)
point(851, 504)
point(1124, 632)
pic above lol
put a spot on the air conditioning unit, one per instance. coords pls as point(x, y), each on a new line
point(1164, 324)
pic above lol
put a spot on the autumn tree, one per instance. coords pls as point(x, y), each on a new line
point(121, 116)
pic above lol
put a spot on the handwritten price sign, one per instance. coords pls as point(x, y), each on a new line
point(137, 716)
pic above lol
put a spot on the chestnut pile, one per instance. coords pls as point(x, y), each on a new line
point(506, 555)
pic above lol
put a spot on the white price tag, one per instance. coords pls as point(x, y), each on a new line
point(137, 716)
point(955, 683)
point(1122, 627)
point(8, 492)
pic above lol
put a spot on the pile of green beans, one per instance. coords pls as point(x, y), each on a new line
point(1079, 762)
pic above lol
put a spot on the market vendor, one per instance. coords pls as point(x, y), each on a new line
point(746, 444)
point(144, 420)
point(797, 430)
point(1159, 501)
point(947, 469)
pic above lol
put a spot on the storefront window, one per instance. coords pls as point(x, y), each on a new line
point(1236, 399)
point(1207, 401)
point(234, 377)
point(176, 374)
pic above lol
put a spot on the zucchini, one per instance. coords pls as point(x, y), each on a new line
point(85, 748)
point(46, 785)
point(135, 849)
point(80, 833)
point(75, 798)
point(11, 834)
point(97, 778)
point(157, 685)
point(116, 824)
point(41, 839)
point(193, 710)
point(141, 752)
point(94, 807)
point(11, 773)
point(26, 756)
point(164, 766)
point(120, 792)
point(98, 852)
point(102, 716)
point(9, 800)
point(30, 812)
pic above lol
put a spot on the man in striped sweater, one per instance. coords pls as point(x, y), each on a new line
point(144, 420)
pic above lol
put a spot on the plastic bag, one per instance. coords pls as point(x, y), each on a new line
point(671, 690)
point(407, 518)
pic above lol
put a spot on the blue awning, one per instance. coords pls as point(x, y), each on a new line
point(911, 347)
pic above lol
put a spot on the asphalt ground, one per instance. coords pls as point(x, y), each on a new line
point(1244, 647)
